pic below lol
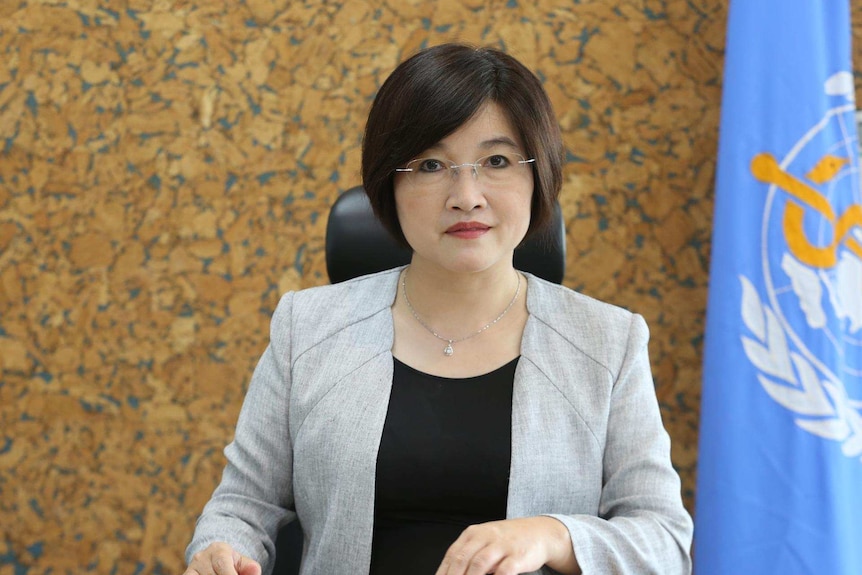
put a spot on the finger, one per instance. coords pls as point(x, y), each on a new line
point(512, 566)
point(222, 562)
point(246, 565)
point(199, 565)
point(470, 557)
point(485, 561)
point(444, 566)
point(525, 560)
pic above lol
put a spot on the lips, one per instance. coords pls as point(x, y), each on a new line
point(467, 229)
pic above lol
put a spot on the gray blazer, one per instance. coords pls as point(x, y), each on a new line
point(588, 445)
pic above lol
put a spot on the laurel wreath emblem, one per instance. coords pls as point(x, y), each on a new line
point(821, 406)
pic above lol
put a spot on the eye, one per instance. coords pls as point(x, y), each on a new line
point(431, 165)
point(497, 161)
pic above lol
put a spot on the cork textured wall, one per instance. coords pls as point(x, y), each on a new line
point(166, 169)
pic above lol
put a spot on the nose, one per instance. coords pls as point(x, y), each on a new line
point(465, 191)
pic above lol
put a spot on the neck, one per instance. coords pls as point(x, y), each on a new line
point(457, 303)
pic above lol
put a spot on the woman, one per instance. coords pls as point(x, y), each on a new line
point(455, 416)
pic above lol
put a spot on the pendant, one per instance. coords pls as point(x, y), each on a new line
point(447, 351)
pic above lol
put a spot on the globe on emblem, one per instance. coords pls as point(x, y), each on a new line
point(816, 289)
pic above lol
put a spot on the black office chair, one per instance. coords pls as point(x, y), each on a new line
point(358, 244)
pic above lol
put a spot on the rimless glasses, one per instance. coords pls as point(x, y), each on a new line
point(493, 170)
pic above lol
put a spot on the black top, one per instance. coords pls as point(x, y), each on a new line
point(443, 465)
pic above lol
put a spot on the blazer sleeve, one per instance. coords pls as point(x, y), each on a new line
point(642, 526)
point(255, 495)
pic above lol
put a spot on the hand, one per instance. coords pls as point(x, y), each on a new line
point(510, 547)
point(221, 559)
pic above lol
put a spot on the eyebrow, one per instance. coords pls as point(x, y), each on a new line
point(485, 144)
point(500, 140)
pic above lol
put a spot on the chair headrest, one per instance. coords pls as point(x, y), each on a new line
point(358, 244)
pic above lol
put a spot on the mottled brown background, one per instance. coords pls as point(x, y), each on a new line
point(166, 169)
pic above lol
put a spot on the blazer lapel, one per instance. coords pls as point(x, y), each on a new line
point(556, 455)
point(340, 409)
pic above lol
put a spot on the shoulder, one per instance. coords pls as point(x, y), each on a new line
point(369, 292)
point(327, 309)
point(603, 331)
point(567, 309)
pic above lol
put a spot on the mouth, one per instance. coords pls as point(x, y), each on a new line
point(467, 230)
point(467, 227)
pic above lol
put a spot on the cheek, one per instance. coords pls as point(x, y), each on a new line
point(525, 205)
point(403, 209)
point(412, 216)
point(401, 204)
point(525, 212)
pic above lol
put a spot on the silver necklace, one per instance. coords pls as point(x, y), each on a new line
point(448, 350)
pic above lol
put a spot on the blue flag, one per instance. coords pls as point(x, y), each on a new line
point(780, 458)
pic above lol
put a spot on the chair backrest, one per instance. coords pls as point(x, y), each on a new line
point(358, 244)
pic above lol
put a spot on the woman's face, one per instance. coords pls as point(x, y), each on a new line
point(461, 220)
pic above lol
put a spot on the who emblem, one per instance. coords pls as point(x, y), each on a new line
point(804, 324)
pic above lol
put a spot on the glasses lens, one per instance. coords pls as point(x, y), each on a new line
point(493, 170)
point(428, 171)
point(502, 168)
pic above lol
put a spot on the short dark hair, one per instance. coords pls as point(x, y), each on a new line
point(431, 95)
